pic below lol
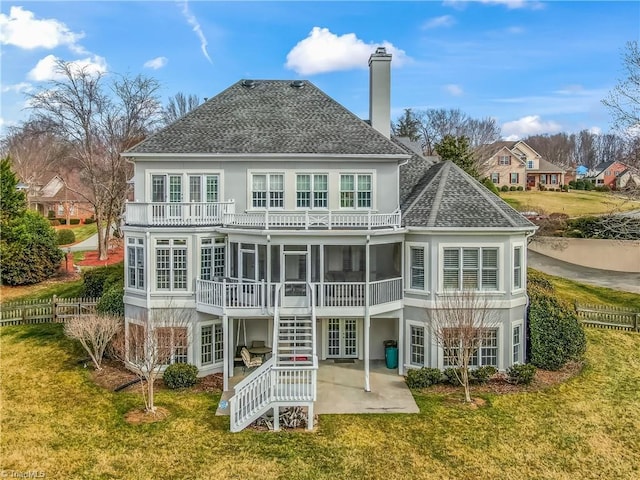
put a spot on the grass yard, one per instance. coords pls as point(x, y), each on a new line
point(575, 203)
point(61, 287)
point(55, 420)
point(82, 232)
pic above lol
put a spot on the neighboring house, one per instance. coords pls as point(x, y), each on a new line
point(273, 214)
point(516, 164)
point(54, 195)
point(615, 175)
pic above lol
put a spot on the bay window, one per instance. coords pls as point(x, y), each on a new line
point(171, 264)
point(135, 263)
point(470, 269)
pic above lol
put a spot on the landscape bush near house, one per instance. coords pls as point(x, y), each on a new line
point(423, 377)
point(98, 280)
point(481, 375)
point(555, 335)
point(521, 374)
point(111, 302)
point(180, 375)
point(94, 332)
point(66, 237)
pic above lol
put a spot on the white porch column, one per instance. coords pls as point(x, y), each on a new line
point(227, 347)
point(401, 339)
point(367, 315)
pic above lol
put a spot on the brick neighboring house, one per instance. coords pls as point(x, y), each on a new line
point(516, 164)
point(54, 194)
point(615, 175)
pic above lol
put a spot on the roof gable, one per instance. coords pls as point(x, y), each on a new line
point(269, 117)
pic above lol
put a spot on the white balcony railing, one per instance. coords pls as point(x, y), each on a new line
point(232, 294)
point(223, 213)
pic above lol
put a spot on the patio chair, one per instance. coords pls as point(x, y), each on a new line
point(250, 361)
point(237, 358)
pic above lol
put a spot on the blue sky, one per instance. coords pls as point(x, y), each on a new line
point(537, 67)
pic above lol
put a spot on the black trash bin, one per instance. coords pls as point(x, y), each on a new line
point(391, 353)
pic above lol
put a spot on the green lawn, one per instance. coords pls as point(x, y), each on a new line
point(54, 419)
point(574, 203)
point(83, 232)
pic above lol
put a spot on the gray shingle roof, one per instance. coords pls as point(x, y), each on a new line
point(414, 170)
point(447, 197)
point(271, 117)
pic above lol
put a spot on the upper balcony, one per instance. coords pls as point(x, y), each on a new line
point(223, 214)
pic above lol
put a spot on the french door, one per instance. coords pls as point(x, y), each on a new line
point(342, 338)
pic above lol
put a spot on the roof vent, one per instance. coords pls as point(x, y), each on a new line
point(297, 83)
point(249, 83)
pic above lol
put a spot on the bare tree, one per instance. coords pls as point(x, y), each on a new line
point(150, 343)
point(94, 332)
point(97, 122)
point(624, 100)
point(178, 106)
point(559, 149)
point(481, 131)
point(459, 325)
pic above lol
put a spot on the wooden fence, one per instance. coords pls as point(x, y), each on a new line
point(55, 309)
point(603, 316)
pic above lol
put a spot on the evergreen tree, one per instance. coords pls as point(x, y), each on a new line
point(12, 201)
point(457, 150)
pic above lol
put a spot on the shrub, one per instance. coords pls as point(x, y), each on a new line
point(490, 185)
point(555, 335)
point(51, 214)
point(112, 301)
point(180, 375)
point(74, 221)
point(521, 374)
point(512, 188)
point(98, 280)
point(65, 237)
point(88, 221)
point(572, 184)
point(541, 187)
point(54, 223)
point(520, 188)
point(482, 374)
point(564, 188)
point(450, 374)
point(504, 188)
point(603, 188)
point(423, 377)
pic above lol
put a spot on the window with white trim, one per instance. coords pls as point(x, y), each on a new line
point(171, 264)
point(417, 345)
point(212, 256)
point(203, 188)
point(135, 263)
point(211, 344)
point(267, 190)
point(166, 188)
point(530, 164)
point(495, 177)
point(504, 160)
point(355, 191)
point(417, 266)
point(517, 340)
point(515, 177)
point(554, 179)
point(470, 269)
point(517, 267)
point(485, 350)
point(312, 190)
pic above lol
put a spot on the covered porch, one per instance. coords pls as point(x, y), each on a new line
point(339, 389)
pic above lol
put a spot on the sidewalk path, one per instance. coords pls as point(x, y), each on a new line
point(90, 243)
point(628, 282)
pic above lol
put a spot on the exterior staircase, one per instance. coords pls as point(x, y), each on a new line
point(287, 379)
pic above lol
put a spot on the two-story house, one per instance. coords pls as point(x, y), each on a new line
point(516, 164)
point(615, 175)
point(272, 213)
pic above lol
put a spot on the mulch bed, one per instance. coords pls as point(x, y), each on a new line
point(116, 255)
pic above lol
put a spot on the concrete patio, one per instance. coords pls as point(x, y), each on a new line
point(341, 390)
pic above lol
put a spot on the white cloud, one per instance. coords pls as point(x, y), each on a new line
point(453, 89)
point(595, 130)
point(156, 63)
point(529, 125)
point(46, 68)
point(21, 29)
point(17, 87)
point(443, 21)
point(193, 21)
point(510, 4)
point(323, 51)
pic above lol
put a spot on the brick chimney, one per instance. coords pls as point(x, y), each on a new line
point(380, 91)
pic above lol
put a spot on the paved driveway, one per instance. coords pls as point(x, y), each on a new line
point(628, 282)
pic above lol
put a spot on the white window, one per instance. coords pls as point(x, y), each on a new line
point(417, 268)
point(485, 349)
point(311, 191)
point(504, 160)
point(554, 179)
point(530, 165)
point(212, 256)
point(60, 210)
point(417, 345)
point(517, 340)
point(166, 188)
point(203, 188)
point(268, 190)
point(543, 179)
point(135, 263)
point(355, 191)
point(517, 267)
point(211, 344)
point(495, 177)
point(515, 177)
point(171, 264)
point(470, 269)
